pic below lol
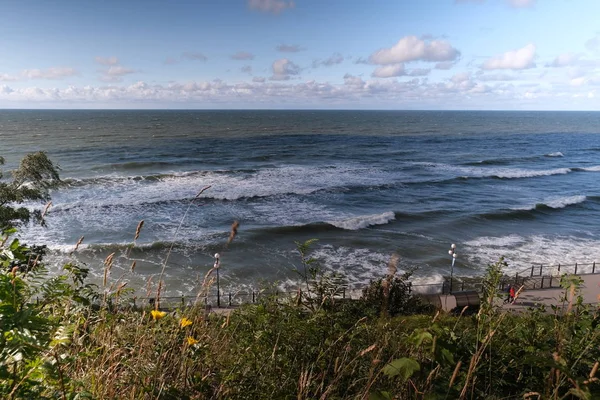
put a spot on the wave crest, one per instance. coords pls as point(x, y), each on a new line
point(364, 221)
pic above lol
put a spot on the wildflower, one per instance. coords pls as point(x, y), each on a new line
point(191, 341)
point(156, 315)
point(185, 322)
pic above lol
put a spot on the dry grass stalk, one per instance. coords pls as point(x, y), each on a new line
point(594, 370)
point(202, 191)
point(133, 265)
point(571, 298)
point(46, 208)
point(138, 230)
point(233, 232)
point(108, 262)
point(77, 245)
point(455, 374)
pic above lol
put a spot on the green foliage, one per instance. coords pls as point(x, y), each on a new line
point(396, 299)
point(31, 181)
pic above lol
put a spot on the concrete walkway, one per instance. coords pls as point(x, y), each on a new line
point(590, 290)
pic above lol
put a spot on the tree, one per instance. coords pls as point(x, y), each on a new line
point(30, 182)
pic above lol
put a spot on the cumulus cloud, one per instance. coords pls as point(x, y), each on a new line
point(412, 48)
point(335, 58)
point(564, 60)
point(271, 6)
point(284, 69)
point(516, 59)
point(243, 55)
point(289, 48)
point(389, 71)
point(107, 60)
point(193, 56)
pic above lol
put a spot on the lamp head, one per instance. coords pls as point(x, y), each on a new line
point(453, 246)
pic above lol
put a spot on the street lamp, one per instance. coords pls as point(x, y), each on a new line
point(452, 252)
point(217, 267)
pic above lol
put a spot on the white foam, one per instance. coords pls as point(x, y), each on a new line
point(555, 202)
point(565, 201)
point(521, 252)
point(504, 173)
point(555, 154)
point(595, 168)
point(363, 221)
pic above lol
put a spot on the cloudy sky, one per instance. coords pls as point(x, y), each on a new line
point(320, 54)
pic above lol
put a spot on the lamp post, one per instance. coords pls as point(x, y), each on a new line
point(452, 252)
point(217, 266)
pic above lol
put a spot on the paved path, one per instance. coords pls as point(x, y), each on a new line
point(590, 290)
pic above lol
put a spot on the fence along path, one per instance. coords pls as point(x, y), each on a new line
point(537, 277)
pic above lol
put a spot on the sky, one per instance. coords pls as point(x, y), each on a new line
point(300, 54)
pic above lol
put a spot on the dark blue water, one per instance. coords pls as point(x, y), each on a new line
point(366, 184)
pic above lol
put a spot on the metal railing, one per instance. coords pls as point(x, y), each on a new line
point(538, 276)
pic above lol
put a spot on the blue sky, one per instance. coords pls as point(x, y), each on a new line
point(330, 54)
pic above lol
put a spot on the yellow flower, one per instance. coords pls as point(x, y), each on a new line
point(156, 315)
point(185, 322)
point(191, 341)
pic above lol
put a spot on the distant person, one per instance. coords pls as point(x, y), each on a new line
point(508, 298)
point(511, 294)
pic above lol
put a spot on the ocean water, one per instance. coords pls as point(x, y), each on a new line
point(366, 184)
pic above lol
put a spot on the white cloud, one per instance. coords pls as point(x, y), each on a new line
point(50, 73)
point(271, 6)
point(283, 69)
point(107, 60)
point(515, 59)
point(118, 70)
point(334, 59)
point(243, 55)
point(289, 48)
point(193, 56)
point(412, 48)
point(8, 78)
point(444, 65)
point(564, 60)
point(418, 72)
point(461, 77)
point(389, 71)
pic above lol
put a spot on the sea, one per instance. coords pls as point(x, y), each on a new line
point(365, 184)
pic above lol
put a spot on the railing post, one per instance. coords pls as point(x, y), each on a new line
point(532, 267)
point(550, 280)
point(343, 293)
point(462, 286)
point(594, 267)
point(542, 284)
point(575, 268)
point(229, 299)
point(559, 268)
point(182, 301)
point(253, 296)
point(517, 279)
point(541, 267)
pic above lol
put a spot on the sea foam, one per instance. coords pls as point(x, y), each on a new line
point(364, 221)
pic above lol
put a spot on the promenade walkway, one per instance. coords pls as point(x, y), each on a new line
point(590, 291)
